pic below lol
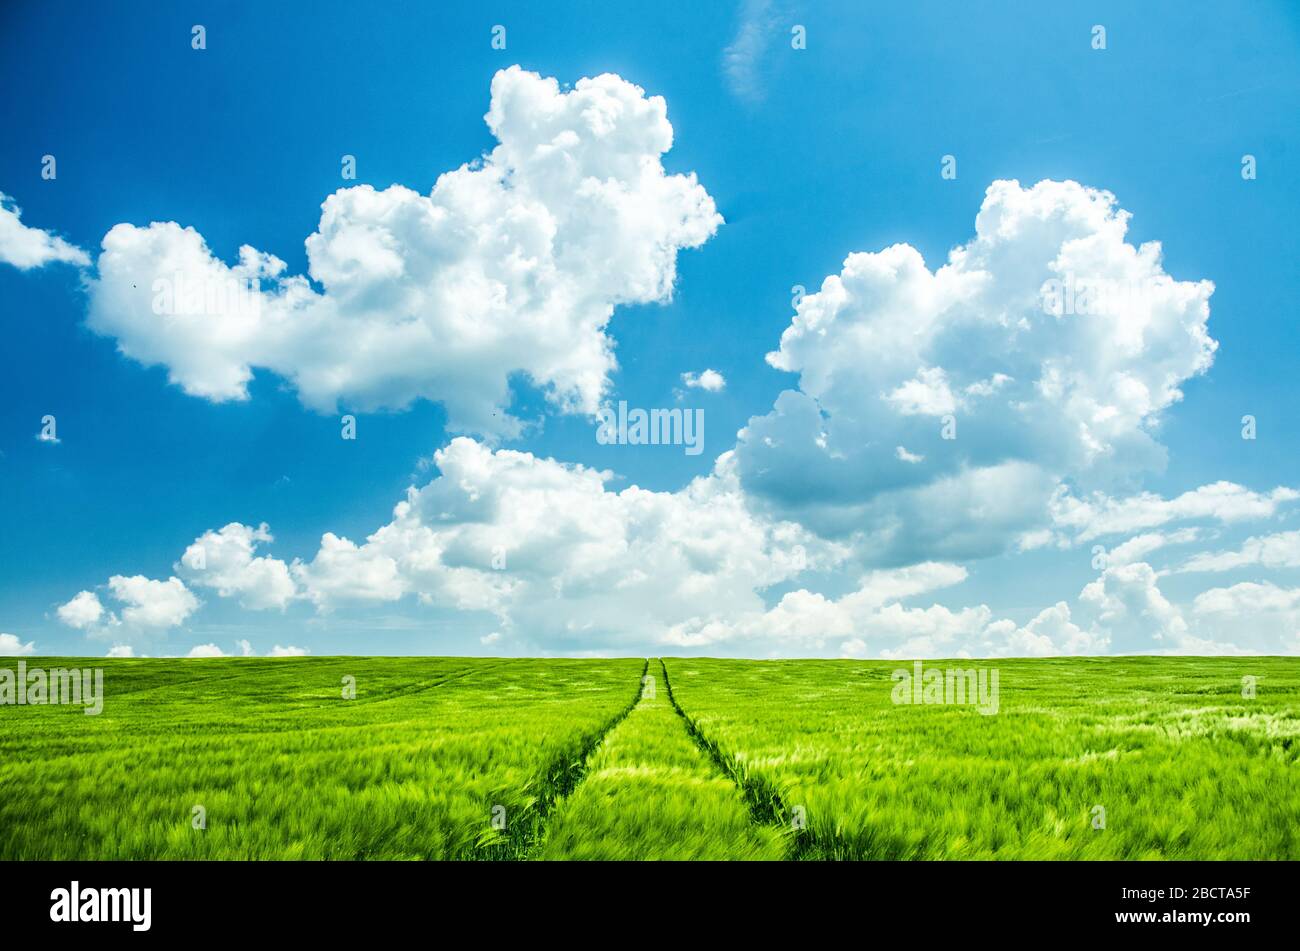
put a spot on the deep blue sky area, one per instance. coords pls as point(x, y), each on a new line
point(833, 149)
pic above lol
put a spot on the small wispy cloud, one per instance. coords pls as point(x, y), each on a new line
point(742, 59)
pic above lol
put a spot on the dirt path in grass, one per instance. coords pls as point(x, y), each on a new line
point(650, 792)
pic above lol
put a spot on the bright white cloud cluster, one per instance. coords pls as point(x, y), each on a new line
point(245, 650)
point(225, 560)
point(709, 380)
point(939, 417)
point(1122, 611)
point(512, 264)
point(1131, 609)
point(12, 646)
point(1226, 502)
point(26, 248)
point(564, 562)
point(874, 621)
point(938, 411)
point(84, 611)
point(1280, 550)
point(809, 621)
point(146, 605)
point(287, 651)
point(1251, 617)
point(205, 650)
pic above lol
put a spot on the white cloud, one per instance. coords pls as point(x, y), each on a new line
point(246, 650)
point(512, 264)
point(153, 604)
point(741, 60)
point(561, 561)
point(853, 647)
point(1253, 617)
point(709, 380)
point(206, 650)
point(807, 620)
point(26, 248)
point(11, 646)
point(926, 394)
point(1139, 547)
point(886, 348)
point(1051, 632)
point(1123, 611)
point(289, 651)
point(83, 612)
point(1098, 514)
point(225, 560)
point(1053, 409)
point(1131, 612)
point(345, 571)
point(121, 650)
point(222, 560)
point(1280, 550)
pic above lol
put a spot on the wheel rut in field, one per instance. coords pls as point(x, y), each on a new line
point(559, 778)
point(766, 807)
point(651, 792)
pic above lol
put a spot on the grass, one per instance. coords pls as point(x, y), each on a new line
point(286, 768)
point(726, 759)
point(1183, 765)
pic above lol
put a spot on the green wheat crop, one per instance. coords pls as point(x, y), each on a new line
point(1183, 765)
point(650, 793)
point(452, 758)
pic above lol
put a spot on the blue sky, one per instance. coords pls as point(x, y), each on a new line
point(809, 155)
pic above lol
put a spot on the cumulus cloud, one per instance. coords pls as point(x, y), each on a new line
point(940, 416)
point(1250, 617)
point(225, 560)
point(1122, 611)
point(245, 649)
point(1098, 514)
point(561, 560)
point(512, 264)
point(146, 604)
point(11, 646)
point(808, 620)
point(1279, 550)
point(26, 248)
point(121, 650)
point(1051, 632)
point(289, 651)
point(206, 650)
point(1139, 547)
point(710, 380)
point(83, 612)
point(1132, 612)
point(999, 386)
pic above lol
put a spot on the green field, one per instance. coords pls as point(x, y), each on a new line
point(455, 758)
